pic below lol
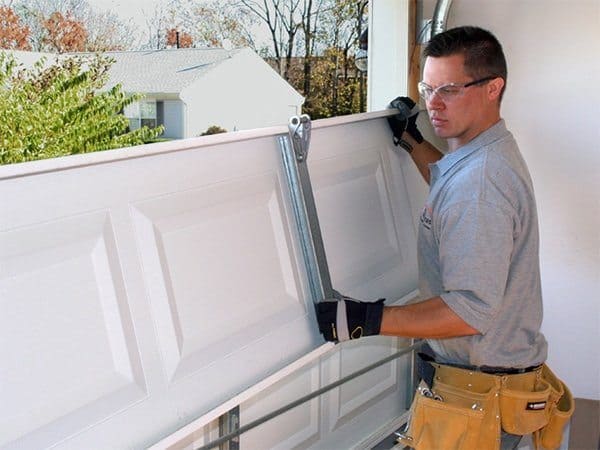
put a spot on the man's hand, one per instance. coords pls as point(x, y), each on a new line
point(404, 121)
point(343, 318)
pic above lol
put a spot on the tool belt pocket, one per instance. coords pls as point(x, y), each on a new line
point(525, 410)
point(451, 418)
point(563, 407)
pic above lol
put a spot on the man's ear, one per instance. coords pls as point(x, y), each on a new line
point(495, 88)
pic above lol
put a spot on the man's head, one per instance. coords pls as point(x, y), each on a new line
point(483, 55)
point(463, 82)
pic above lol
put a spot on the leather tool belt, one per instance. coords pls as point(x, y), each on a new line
point(462, 409)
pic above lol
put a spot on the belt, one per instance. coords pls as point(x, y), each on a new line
point(506, 370)
point(426, 370)
point(495, 370)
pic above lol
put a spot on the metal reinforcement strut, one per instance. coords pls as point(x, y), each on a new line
point(294, 150)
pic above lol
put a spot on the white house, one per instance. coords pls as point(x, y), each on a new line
point(189, 90)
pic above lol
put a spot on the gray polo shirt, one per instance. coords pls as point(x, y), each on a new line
point(478, 249)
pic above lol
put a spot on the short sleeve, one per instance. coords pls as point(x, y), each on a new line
point(476, 244)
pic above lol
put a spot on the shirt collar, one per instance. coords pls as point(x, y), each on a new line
point(490, 135)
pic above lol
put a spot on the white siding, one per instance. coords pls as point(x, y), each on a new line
point(240, 94)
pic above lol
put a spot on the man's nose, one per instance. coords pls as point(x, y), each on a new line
point(434, 101)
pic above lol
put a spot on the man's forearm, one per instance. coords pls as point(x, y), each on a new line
point(430, 318)
point(423, 154)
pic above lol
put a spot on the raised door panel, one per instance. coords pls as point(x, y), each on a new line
point(207, 250)
point(364, 210)
point(363, 189)
point(68, 346)
point(296, 428)
point(355, 396)
point(369, 406)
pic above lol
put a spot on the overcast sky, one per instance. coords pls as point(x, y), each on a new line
point(137, 10)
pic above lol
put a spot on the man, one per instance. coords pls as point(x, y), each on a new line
point(478, 234)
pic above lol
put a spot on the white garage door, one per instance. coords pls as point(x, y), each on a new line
point(141, 288)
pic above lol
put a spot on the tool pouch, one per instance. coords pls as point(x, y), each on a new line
point(524, 403)
point(466, 409)
point(561, 410)
point(454, 418)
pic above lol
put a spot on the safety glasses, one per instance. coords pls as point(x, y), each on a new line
point(449, 91)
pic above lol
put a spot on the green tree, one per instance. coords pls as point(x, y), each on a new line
point(335, 90)
point(62, 109)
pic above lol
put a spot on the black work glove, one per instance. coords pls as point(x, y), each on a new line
point(344, 318)
point(405, 120)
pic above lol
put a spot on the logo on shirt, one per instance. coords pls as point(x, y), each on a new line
point(426, 216)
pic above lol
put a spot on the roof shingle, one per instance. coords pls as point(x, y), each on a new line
point(163, 71)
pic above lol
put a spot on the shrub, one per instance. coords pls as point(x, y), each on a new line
point(61, 109)
point(214, 129)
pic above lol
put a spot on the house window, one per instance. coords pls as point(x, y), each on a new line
point(142, 114)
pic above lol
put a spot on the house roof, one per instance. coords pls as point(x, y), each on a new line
point(167, 71)
point(164, 71)
point(28, 59)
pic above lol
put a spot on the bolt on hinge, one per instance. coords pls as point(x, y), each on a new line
point(299, 129)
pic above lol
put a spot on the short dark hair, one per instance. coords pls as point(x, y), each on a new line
point(483, 53)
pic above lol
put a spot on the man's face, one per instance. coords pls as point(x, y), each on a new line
point(461, 117)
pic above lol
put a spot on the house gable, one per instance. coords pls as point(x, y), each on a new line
point(243, 92)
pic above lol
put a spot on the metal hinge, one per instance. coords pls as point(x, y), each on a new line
point(299, 129)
